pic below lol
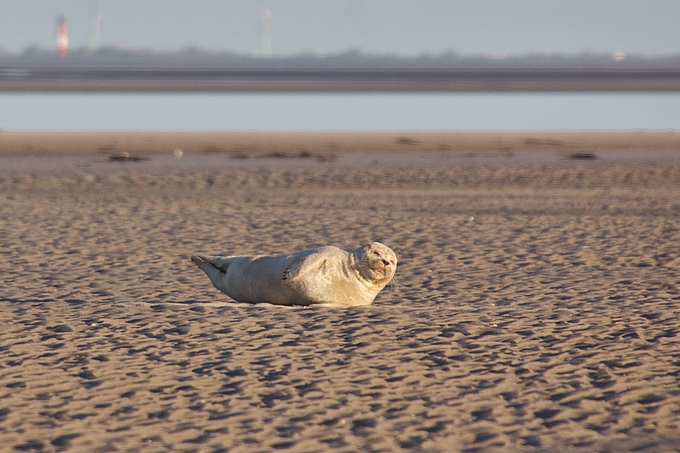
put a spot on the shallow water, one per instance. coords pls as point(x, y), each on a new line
point(352, 112)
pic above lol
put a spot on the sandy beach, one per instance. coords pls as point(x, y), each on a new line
point(535, 306)
point(318, 144)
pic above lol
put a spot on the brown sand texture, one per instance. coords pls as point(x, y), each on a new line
point(535, 307)
point(318, 144)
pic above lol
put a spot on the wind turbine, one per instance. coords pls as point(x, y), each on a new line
point(97, 16)
point(266, 32)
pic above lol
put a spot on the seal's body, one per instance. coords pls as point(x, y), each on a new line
point(327, 275)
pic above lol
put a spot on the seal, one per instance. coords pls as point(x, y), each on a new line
point(327, 275)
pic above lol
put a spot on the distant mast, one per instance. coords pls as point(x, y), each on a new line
point(62, 37)
point(266, 33)
point(97, 17)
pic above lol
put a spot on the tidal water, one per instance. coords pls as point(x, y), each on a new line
point(350, 112)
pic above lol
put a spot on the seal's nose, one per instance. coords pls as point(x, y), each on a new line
point(385, 262)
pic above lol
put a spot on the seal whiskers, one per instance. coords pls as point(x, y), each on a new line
point(394, 288)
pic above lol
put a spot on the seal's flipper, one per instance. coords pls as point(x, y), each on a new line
point(199, 261)
point(213, 266)
point(221, 262)
point(302, 266)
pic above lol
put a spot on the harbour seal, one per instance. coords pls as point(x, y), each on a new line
point(327, 275)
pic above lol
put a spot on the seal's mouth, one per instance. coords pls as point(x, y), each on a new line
point(376, 264)
point(381, 270)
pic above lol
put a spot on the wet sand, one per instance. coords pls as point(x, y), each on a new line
point(256, 144)
point(535, 308)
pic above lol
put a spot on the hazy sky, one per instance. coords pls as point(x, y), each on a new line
point(381, 26)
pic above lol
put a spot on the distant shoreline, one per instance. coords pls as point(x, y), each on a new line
point(529, 84)
point(320, 143)
point(85, 78)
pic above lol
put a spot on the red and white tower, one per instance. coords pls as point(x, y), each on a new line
point(62, 37)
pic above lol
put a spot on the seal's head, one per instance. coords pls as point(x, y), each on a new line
point(376, 263)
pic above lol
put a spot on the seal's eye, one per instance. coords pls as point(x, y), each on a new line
point(386, 263)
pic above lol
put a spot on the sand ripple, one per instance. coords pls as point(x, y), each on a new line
point(536, 307)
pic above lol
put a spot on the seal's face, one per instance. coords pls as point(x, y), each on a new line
point(376, 263)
